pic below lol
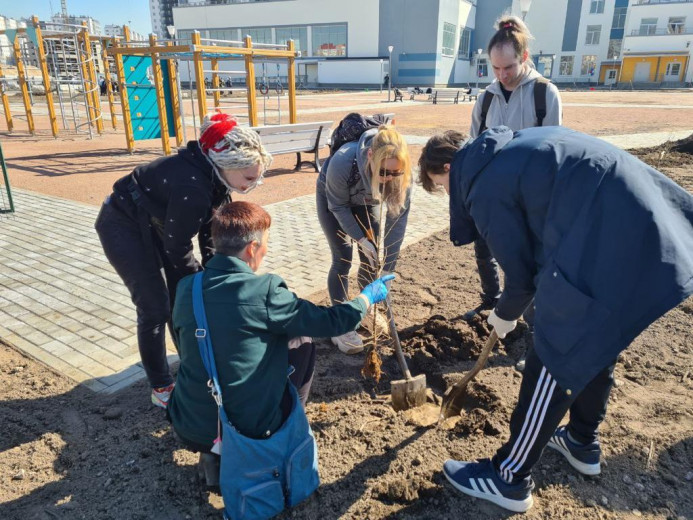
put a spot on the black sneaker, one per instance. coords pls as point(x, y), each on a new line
point(583, 457)
point(481, 480)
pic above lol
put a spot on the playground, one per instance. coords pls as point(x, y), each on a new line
point(98, 449)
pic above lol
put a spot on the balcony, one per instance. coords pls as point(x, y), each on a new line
point(662, 32)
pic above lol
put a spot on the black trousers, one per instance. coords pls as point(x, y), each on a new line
point(152, 293)
point(541, 406)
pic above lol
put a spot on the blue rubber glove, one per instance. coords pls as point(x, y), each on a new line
point(376, 291)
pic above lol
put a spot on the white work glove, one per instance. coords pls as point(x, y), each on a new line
point(502, 327)
point(368, 249)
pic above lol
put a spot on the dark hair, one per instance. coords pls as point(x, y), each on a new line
point(236, 224)
point(438, 151)
point(511, 31)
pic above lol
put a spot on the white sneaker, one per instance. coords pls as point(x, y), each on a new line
point(349, 343)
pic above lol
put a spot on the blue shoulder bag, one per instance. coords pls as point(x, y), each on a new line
point(259, 477)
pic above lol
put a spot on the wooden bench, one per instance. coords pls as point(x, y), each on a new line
point(398, 95)
point(446, 95)
point(296, 138)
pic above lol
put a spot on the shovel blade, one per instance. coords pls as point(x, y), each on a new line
point(408, 393)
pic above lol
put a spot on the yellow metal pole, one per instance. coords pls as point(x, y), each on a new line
point(107, 78)
point(21, 74)
point(250, 83)
point(160, 98)
point(46, 78)
point(91, 111)
point(175, 100)
point(91, 77)
point(291, 78)
point(124, 104)
point(215, 82)
point(199, 77)
point(5, 102)
point(126, 34)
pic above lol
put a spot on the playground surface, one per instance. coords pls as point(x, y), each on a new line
point(70, 453)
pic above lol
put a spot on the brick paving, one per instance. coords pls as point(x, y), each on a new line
point(62, 303)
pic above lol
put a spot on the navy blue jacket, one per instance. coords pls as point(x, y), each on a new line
point(603, 242)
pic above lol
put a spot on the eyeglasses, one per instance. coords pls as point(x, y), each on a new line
point(390, 173)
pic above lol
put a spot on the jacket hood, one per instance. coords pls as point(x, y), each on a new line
point(468, 163)
point(362, 157)
point(529, 74)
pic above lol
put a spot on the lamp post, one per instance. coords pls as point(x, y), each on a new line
point(171, 29)
point(389, 68)
point(381, 76)
point(478, 70)
point(524, 7)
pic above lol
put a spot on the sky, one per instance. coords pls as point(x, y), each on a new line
point(134, 13)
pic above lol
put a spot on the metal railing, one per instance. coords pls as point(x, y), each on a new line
point(668, 31)
point(654, 2)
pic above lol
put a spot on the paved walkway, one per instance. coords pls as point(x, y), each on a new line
point(61, 302)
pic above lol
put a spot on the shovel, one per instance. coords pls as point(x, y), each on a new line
point(411, 391)
point(452, 400)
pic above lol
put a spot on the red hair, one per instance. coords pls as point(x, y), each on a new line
point(236, 224)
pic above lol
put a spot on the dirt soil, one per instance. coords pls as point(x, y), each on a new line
point(70, 454)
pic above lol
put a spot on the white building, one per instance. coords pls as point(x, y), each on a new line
point(6, 51)
point(443, 42)
point(116, 31)
point(161, 12)
point(93, 26)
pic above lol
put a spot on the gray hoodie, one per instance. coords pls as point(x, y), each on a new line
point(519, 112)
point(347, 181)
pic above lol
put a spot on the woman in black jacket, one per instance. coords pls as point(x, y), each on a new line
point(150, 219)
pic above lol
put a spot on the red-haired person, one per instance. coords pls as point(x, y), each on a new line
point(254, 321)
point(149, 221)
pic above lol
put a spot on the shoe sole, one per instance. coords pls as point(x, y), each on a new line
point(516, 506)
point(350, 351)
point(586, 469)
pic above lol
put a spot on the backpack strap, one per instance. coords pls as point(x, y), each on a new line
point(485, 105)
point(540, 88)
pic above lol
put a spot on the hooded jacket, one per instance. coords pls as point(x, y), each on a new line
point(602, 241)
point(347, 180)
point(519, 111)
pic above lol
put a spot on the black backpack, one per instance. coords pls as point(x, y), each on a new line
point(351, 127)
point(540, 87)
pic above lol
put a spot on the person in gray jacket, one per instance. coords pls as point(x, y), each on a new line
point(512, 106)
point(351, 186)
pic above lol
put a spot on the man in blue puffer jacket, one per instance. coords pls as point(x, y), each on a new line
point(601, 241)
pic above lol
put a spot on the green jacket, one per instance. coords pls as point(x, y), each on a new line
point(251, 319)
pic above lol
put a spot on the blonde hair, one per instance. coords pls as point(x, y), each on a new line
point(511, 30)
point(388, 143)
point(236, 148)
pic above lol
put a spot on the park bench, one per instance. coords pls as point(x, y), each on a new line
point(398, 95)
point(296, 138)
point(446, 95)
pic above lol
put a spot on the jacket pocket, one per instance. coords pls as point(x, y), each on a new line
point(564, 314)
point(302, 472)
point(261, 501)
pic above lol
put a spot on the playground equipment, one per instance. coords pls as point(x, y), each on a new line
point(68, 58)
point(164, 56)
point(6, 204)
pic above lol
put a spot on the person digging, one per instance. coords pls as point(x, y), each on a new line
point(604, 245)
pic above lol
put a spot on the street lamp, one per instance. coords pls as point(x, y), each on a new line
point(524, 7)
point(389, 68)
point(381, 76)
point(171, 29)
point(478, 70)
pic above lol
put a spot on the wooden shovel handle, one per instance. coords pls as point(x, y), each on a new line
point(458, 389)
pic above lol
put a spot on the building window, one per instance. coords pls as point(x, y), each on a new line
point(648, 26)
point(184, 36)
point(567, 65)
point(224, 34)
point(619, 21)
point(259, 34)
point(593, 33)
point(596, 6)
point(329, 40)
point(676, 25)
point(298, 34)
point(482, 68)
point(614, 49)
point(589, 65)
point(448, 39)
point(465, 40)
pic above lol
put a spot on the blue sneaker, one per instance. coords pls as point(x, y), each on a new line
point(481, 480)
point(583, 457)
